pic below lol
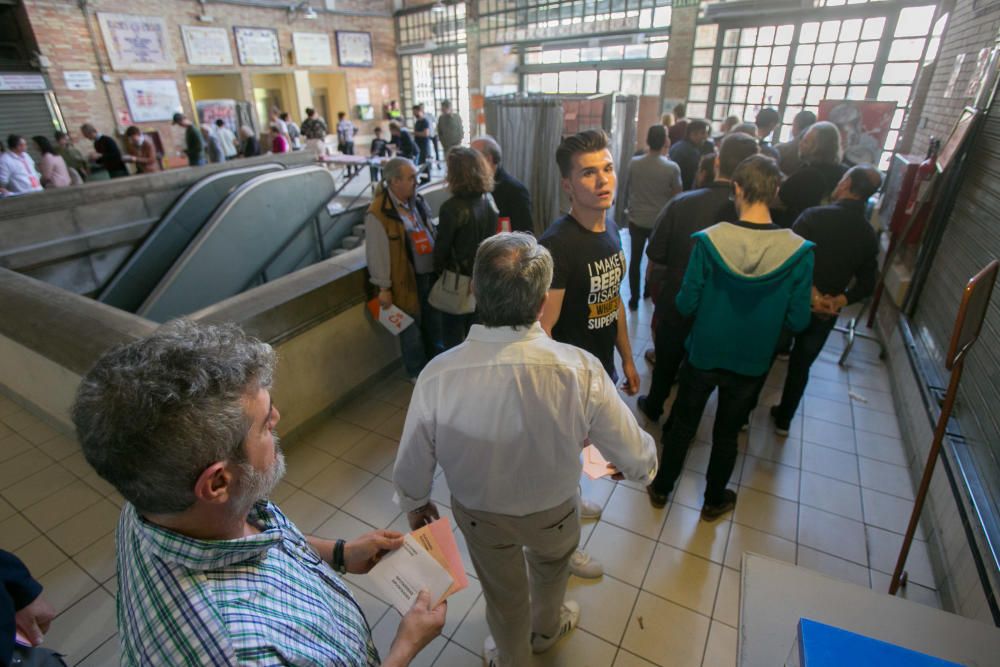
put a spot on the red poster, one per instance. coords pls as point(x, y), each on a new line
point(864, 126)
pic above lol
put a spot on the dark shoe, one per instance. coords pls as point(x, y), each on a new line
point(659, 500)
point(781, 426)
point(650, 356)
point(646, 294)
point(713, 512)
point(633, 304)
point(647, 412)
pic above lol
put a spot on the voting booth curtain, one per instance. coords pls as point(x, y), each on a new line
point(529, 131)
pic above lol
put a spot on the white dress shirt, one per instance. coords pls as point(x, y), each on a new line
point(505, 415)
point(18, 173)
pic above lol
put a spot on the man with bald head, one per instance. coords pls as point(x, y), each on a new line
point(512, 199)
point(844, 273)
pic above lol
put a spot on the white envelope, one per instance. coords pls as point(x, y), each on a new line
point(394, 319)
point(401, 574)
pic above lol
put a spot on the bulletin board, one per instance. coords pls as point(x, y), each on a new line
point(152, 99)
point(354, 49)
point(257, 46)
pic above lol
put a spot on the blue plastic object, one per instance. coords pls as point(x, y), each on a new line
point(822, 645)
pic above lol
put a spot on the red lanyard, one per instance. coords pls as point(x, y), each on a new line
point(27, 169)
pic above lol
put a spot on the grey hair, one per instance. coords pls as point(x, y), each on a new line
point(511, 275)
point(491, 148)
point(151, 415)
point(392, 170)
point(825, 146)
point(745, 128)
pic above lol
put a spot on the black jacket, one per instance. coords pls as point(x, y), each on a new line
point(513, 200)
point(846, 248)
point(807, 187)
point(111, 154)
point(17, 590)
point(670, 243)
point(404, 144)
point(250, 147)
point(463, 224)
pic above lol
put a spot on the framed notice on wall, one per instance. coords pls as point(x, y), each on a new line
point(206, 46)
point(354, 49)
point(138, 43)
point(257, 46)
point(312, 48)
point(152, 99)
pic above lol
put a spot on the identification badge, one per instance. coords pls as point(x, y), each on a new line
point(503, 225)
point(421, 242)
point(34, 182)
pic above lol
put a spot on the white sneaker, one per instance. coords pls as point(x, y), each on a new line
point(569, 616)
point(589, 509)
point(491, 657)
point(582, 565)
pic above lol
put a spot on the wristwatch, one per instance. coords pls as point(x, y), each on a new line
point(337, 562)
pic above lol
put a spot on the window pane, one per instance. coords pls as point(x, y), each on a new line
point(914, 21)
point(569, 55)
point(829, 30)
point(800, 73)
point(784, 34)
point(758, 76)
point(699, 93)
point(748, 36)
point(728, 57)
point(906, 49)
point(815, 95)
point(550, 57)
point(766, 36)
point(867, 51)
point(779, 56)
point(809, 32)
point(533, 83)
point(703, 57)
point(744, 57)
point(732, 38)
point(610, 80)
point(776, 76)
point(701, 75)
point(899, 94)
point(742, 75)
point(857, 92)
point(755, 94)
point(590, 54)
point(659, 50)
point(661, 17)
point(550, 82)
point(873, 28)
point(653, 83)
point(706, 35)
point(613, 53)
point(632, 82)
point(796, 94)
point(850, 30)
point(861, 74)
point(824, 53)
point(696, 110)
point(805, 53)
point(636, 51)
point(836, 92)
point(900, 73)
point(820, 74)
point(762, 56)
point(567, 82)
point(726, 75)
point(845, 52)
point(586, 81)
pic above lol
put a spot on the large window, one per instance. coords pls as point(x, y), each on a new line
point(507, 21)
point(630, 68)
point(873, 52)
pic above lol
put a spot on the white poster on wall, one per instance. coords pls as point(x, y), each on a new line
point(22, 82)
point(206, 46)
point(312, 48)
point(257, 46)
point(82, 80)
point(138, 43)
point(152, 99)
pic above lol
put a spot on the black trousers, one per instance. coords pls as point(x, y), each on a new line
point(672, 330)
point(808, 344)
point(639, 237)
point(736, 394)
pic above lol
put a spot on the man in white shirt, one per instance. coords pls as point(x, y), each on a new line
point(18, 174)
point(506, 415)
point(226, 138)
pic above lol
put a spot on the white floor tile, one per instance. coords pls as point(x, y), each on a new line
point(15, 532)
point(683, 578)
point(625, 554)
point(626, 659)
point(838, 568)
point(874, 421)
point(661, 630)
point(889, 512)
point(38, 487)
point(828, 410)
point(721, 648)
point(374, 504)
point(727, 601)
point(832, 534)
point(685, 530)
point(743, 539)
point(830, 462)
point(372, 453)
point(65, 584)
point(766, 513)
point(883, 550)
point(882, 448)
point(912, 591)
point(338, 482)
point(454, 655)
point(605, 605)
point(84, 627)
point(769, 477)
point(886, 478)
point(303, 463)
point(40, 555)
point(765, 444)
point(829, 434)
point(631, 509)
point(831, 495)
point(306, 511)
point(334, 436)
point(578, 649)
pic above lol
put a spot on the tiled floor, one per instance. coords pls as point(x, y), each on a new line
point(832, 496)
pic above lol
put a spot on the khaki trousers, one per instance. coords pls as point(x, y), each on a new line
point(521, 600)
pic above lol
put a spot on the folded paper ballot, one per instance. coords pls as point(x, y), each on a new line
point(402, 574)
point(439, 541)
point(594, 464)
point(392, 318)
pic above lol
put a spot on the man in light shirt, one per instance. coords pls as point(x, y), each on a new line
point(18, 174)
point(506, 415)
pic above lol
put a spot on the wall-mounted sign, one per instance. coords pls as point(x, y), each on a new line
point(22, 82)
point(354, 49)
point(82, 80)
point(152, 99)
point(206, 46)
point(312, 48)
point(257, 46)
point(138, 43)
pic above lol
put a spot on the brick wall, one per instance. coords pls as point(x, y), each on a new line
point(61, 30)
point(971, 26)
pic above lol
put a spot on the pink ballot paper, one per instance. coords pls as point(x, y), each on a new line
point(594, 465)
point(402, 574)
point(439, 540)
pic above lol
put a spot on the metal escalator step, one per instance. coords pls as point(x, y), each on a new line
point(358, 230)
point(351, 242)
point(338, 251)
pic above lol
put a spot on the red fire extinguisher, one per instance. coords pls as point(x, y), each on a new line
point(924, 178)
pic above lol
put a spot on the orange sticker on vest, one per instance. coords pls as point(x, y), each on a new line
point(421, 242)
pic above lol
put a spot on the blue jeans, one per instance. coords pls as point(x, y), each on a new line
point(421, 341)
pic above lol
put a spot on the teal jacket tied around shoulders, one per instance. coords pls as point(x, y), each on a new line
point(742, 285)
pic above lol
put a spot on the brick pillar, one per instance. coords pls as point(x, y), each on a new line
point(472, 47)
point(677, 78)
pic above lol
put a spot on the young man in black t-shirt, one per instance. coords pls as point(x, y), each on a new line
point(422, 135)
point(583, 306)
point(379, 148)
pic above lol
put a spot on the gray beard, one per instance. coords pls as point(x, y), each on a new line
point(256, 485)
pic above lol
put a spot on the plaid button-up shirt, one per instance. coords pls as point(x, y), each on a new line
point(267, 599)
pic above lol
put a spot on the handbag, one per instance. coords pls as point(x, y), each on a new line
point(452, 294)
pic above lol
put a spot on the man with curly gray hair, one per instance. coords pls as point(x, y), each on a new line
point(209, 571)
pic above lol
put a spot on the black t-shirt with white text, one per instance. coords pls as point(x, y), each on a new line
point(590, 267)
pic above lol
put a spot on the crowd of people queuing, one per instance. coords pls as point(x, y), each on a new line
point(746, 241)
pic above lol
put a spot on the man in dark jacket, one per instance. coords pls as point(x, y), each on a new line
point(687, 152)
point(109, 155)
point(669, 249)
point(745, 281)
point(23, 608)
point(403, 141)
point(512, 199)
point(194, 144)
point(846, 251)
